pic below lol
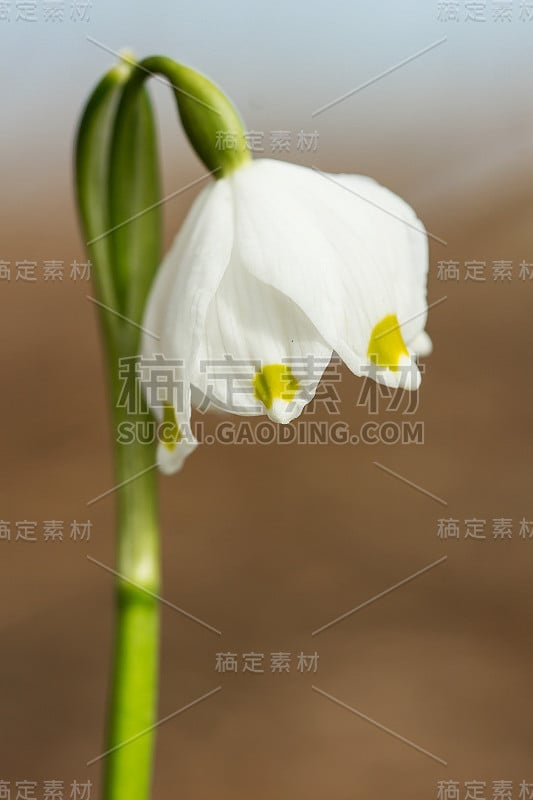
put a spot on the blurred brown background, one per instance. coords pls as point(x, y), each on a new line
point(267, 544)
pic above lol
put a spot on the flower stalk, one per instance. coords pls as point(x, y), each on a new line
point(134, 684)
point(118, 194)
point(121, 296)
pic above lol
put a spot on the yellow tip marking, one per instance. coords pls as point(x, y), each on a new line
point(275, 382)
point(386, 345)
point(169, 432)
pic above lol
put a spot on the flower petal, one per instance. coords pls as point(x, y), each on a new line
point(422, 344)
point(175, 313)
point(259, 352)
point(347, 251)
point(190, 274)
point(176, 441)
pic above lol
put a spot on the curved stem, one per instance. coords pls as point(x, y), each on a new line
point(136, 247)
point(119, 203)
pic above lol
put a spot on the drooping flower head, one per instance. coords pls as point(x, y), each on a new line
point(279, 265)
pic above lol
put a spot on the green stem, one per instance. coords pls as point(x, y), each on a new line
point(134, 689)
point(117, 182)
point(125, 262)
point(134, 685)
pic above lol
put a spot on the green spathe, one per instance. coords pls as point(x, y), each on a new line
point(207, 115)
point(209, 120)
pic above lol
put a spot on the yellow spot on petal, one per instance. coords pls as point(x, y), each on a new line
point(386, 345)
point(169, 432)
point(275, 382)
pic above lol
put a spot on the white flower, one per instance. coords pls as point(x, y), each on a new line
point(278, 266)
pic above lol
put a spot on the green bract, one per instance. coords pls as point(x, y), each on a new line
point(207, 116)
point(117, 175)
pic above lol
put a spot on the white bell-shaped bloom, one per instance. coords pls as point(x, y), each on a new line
point(276, 267)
